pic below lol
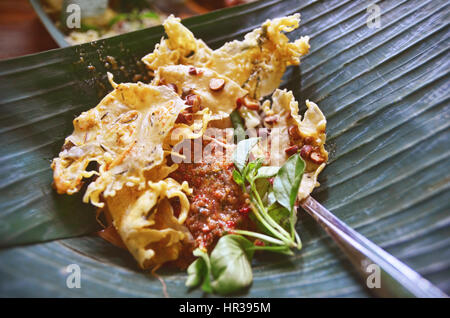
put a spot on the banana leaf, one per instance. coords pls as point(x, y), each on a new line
point(384, 91)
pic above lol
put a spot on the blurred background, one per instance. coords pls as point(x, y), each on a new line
point(33, 26)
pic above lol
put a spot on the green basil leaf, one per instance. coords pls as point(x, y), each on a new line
point(262, 186)
point(249, 169)
point(231, 264)
point(267, 172)
point(285, 250)
point(271, 198)
point(252, 168)
point(200, 271)
point(280, 215)
point(197, 271)
point(242, 152)
point(237, 177)
point(287, 181)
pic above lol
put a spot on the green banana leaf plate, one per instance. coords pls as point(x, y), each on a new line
point(383, 87)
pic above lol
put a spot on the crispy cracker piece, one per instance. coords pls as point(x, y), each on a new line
point(257, 63)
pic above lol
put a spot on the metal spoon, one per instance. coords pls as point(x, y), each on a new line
point(395, 278)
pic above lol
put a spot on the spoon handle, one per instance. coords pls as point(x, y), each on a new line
point(384, 274)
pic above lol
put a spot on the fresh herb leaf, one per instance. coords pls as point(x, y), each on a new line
point(200, 271)
point(271, 198)
point(285, 189)
point(267, 172)
point(237, 177)
point(280, 215)
point(231, 264)
point(242, 152)
point(252, 169)
point(196, 273)
point(249, 172)
point(262, 186)
point(285, 250)
point(287, 181)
